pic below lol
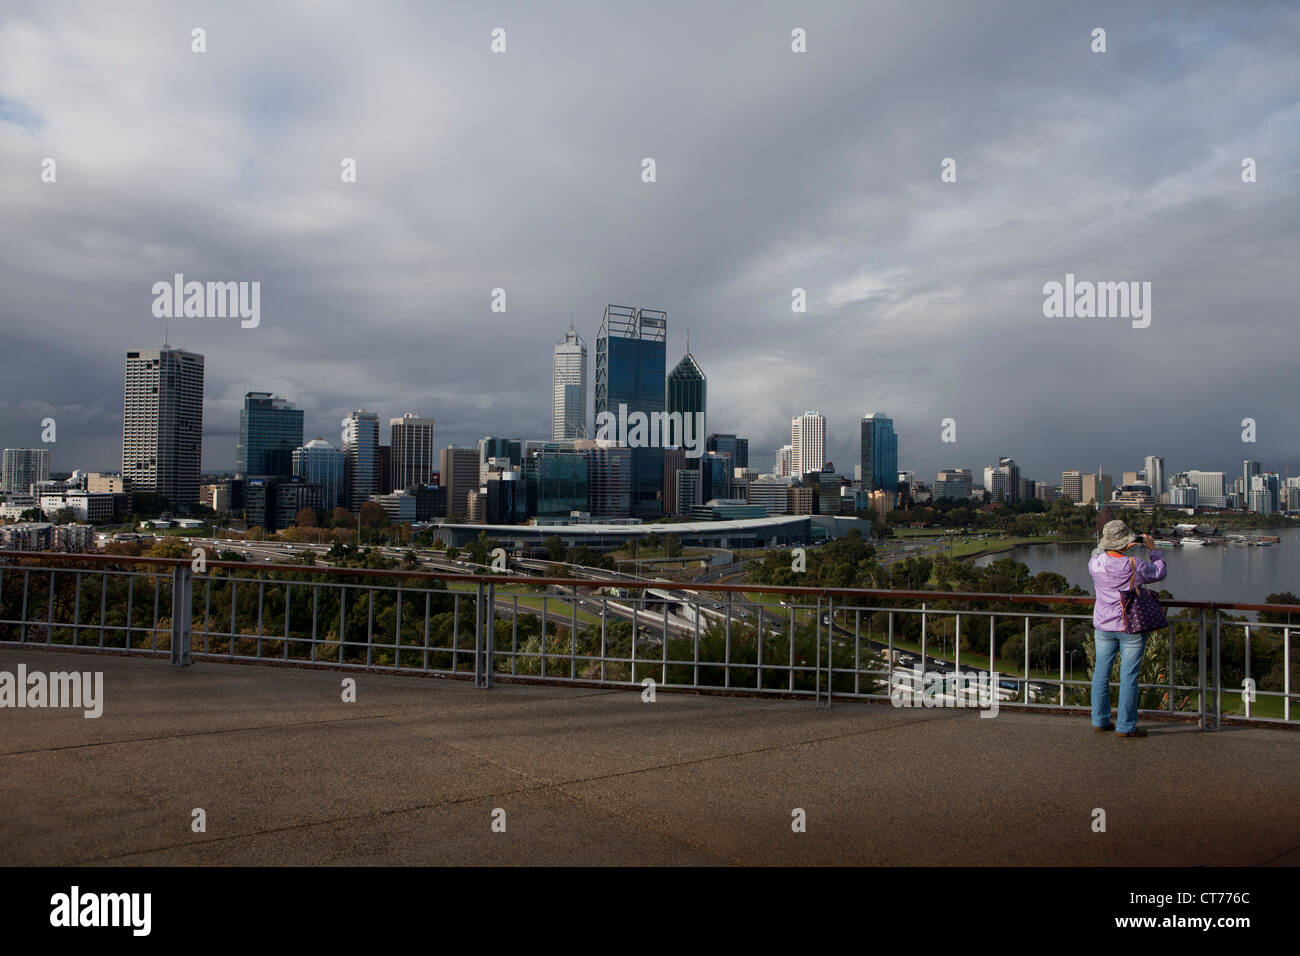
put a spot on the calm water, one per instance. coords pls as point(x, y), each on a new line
point(1231, 573)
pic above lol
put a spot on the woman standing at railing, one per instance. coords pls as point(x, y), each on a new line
point(1112, 571)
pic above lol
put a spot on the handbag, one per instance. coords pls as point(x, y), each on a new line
point(1140, 607)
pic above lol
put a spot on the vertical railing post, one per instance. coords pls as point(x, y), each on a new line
point(182, 613)
point(1202, 690)
point(1218, 672)
point(479, 678)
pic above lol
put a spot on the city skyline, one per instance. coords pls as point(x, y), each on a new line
point(920, 294)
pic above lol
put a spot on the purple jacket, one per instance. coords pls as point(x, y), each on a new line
point(1110, 576)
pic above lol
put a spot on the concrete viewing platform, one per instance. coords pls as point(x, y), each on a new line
point(411, 774)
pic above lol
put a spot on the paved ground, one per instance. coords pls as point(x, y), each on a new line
point(412, 772)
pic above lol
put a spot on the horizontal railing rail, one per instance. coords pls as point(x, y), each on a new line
point(703, 637)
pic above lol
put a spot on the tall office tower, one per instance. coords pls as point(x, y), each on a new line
point(737, 448)
point(1072, 486)
point(784, 465)
point(1009, 468)
point(320, 463)
point(807, 443)
point(1095, 490)
point(686, 393)
point(459, 468)
point(879, 453)
point(414, 459)
point(490, 447)
point(569, 402)
point(1264, 497)
point(630, 373)
point(361, 448)
point(23, 467)
point(269, 430)
point(1209, 488)
point(1249, 469)
point(674, 461)
point(162, 423)
point(995, 482)
point(609, 478)
point(557, 482)
point(1154, 468)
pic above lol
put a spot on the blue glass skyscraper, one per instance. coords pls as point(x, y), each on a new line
point(631, 361)
point(879, 453)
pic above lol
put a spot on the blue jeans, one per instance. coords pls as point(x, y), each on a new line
point(1108, 644)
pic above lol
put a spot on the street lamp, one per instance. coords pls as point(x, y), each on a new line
point(1072, 653)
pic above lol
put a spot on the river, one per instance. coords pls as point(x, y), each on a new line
point(1232, 573)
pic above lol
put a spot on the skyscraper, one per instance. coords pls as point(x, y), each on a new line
point(361, 448)
point(1249, 469)
point(459, 468)
point(413, 457)
point(807, 443)
point(269, 430)
point(569, 401)
point(1072, 486)
point(737, 448)
point(23, 467)
point(879, 453)
point(630, 371)
point(1154, 468)
point(162, 423)
point(320, 463)
point(783, 467)
point(686, 392)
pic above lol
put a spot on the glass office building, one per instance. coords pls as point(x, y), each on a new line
point(879, 453)
point(269, 431)
point(557, 482)
point(631, 361)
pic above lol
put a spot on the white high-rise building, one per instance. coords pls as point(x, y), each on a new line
point(361, 458)
point(162, 423)
point(1154, 468)
point(22, 468)
point(1209, 488)
point(414, 458)
point(784, 465)
point(807, 443)
point(569, 402)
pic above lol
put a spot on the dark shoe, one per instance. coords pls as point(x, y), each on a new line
point(1135, 732)
point(1102, 730)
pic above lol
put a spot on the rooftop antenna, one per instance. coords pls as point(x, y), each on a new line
point(688, 341)
point(165, 345)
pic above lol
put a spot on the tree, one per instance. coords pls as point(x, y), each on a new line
point(373, 515)
point(32, 514)
point(342, 518)
point(1280, 617)
point(555, 549)
point(672, 544)
point(305, 518)
point(453, 552)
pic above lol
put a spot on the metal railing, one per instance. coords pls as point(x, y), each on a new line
point(823, 643)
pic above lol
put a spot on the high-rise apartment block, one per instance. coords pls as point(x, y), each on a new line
point(162, 423)
point(879, 453)
point(22, 468)
point(807, 443)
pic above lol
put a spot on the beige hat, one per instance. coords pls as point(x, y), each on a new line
point(1116, 536)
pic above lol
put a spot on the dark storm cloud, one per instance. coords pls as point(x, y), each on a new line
point(775, 171)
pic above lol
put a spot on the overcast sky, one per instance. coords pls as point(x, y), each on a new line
point(775, 170)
